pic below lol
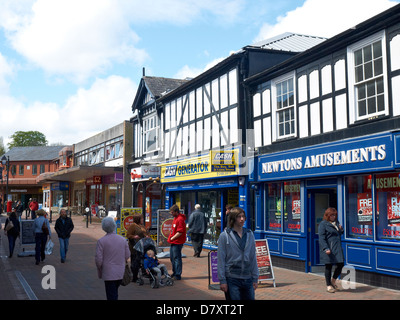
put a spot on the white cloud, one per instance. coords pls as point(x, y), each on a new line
point(324, 18)
point(90, 111)
point(82, 39)
point(190, 72)
point(75, 38)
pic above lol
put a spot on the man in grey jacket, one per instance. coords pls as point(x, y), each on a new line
point(197, 229)
point(237, 261)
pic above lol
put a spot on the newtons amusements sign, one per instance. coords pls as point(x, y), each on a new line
point(351, 156)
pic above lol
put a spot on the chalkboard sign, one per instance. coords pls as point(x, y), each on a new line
point(27, 231)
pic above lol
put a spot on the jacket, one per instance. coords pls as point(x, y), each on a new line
point(39, 223)
point(329, 239)
point(197, 222)
point(64, 227)
point(149, 263)
point(15, 230)
point(178, 225)
point(234, 262)
point(112, 252)
point(33, 206)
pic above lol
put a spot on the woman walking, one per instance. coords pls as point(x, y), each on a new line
point(112, 252)
point(330, 245)
point(12, 229)
point(42, 231)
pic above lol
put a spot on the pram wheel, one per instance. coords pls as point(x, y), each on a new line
point(154, 284)
point(169, 281)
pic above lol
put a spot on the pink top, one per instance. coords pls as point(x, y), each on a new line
point(112, 252)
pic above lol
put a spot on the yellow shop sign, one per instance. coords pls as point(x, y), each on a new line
point(212, 165)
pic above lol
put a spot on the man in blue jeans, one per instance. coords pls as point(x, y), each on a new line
point(237, 261)
point(64, 227)
point(177, 238)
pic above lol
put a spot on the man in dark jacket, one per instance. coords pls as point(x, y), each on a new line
point(197, 229)
point(64, 227)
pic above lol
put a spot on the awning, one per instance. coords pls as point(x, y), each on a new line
point(79, 173)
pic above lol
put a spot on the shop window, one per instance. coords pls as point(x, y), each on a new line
point(292, 206)
point(388, 206)
point(274, 207)
point(359, 213)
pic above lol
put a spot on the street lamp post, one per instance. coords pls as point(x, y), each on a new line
point(5, 161)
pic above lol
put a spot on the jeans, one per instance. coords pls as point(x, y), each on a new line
point(40, 239)
point(240, 289)
point(112, 289)
point(11, 244)
point(64, 243)
point(175, 254)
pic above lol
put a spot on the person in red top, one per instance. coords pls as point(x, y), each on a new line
point(34, 206)
point(177, 238)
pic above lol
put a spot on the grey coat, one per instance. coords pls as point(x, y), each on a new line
point(197, 222)
point(329, 239)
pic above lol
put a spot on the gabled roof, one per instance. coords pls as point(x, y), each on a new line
point(156, 86)
point(289, 41)
point(44, 153)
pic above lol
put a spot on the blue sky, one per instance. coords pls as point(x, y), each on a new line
point(70, 68)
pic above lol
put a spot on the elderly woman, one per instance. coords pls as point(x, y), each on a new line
point(135, 232)
point(330, 245)
point(112, 252)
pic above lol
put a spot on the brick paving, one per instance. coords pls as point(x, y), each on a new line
point(77, 278)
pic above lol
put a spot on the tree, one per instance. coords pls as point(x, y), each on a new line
point(27, 139)
point(2, 148)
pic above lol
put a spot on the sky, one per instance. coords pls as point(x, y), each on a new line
point(70, 68)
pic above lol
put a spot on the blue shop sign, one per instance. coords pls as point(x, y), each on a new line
point(60, 186)
point(369, 154)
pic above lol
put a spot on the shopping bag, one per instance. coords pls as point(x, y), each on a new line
point(49, 247)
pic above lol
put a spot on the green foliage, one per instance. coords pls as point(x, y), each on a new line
point(27, 139)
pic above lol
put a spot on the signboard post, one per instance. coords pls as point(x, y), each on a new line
point(266, 272)
point(27, 237)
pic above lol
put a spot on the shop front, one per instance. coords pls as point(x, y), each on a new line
point(359, 177)
point(147, 192)
point(212, 180)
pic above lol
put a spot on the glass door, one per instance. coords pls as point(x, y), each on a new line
point(318, 201)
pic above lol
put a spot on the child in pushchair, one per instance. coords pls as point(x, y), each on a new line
point(150, 267)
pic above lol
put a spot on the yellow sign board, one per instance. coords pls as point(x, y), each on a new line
point(221, 163)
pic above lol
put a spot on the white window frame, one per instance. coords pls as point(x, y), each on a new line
point(275, 111)
point(151, 123)
point(353, 108)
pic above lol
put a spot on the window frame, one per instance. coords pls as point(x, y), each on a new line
point(275, 111)
point(146, 131)
point(353, 108)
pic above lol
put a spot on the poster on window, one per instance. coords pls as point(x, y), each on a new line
point(364, 208)
point(264, 261)
point(296, 210)
point(393, 205)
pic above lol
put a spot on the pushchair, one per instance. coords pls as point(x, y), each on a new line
point(142, 246)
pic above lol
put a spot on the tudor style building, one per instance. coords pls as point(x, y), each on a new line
point(326, 126)
point(196, 132)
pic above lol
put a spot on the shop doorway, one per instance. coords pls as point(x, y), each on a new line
point(318, 200)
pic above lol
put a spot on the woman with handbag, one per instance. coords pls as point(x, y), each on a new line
point(330, 245)
point(12, 229)
point(42, 231)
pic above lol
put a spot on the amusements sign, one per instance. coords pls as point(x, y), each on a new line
point(126, 219)
point(264, 263)
point(164, 225)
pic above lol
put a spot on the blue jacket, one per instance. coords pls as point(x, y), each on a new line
point(149, 263)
